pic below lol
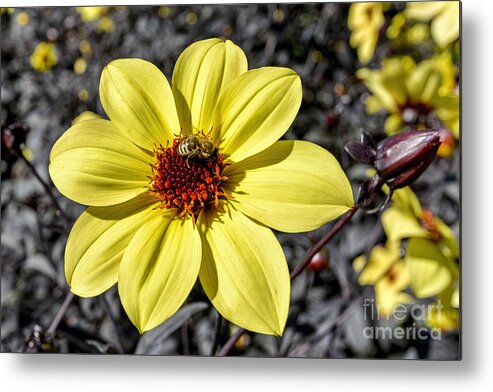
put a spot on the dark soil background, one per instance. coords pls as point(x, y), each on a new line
point(326, 317)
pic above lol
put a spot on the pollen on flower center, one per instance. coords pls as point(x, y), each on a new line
point(188, 183)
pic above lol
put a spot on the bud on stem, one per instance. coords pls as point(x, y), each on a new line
point(399, 160)
point(402, 158)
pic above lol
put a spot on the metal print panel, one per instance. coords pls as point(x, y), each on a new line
point(260, 180)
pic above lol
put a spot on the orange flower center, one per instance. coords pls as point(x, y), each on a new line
point(184, 179)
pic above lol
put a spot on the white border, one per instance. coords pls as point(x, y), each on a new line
point(142, 374)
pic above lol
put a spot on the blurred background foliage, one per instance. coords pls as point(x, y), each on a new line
point(382, 67)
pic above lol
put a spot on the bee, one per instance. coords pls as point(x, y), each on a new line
point(196, 146)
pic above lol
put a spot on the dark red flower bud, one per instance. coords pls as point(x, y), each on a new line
point(402, 158)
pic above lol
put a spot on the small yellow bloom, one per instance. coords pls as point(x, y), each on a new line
point(406, 219)
point(105, 24)
point(365, 20)
point(80, 66)
point(163, 11)
point(22, 18)
point(186, 181)
point(191, 18)
point(396, 25)
point(411, 92)
point(386, 271)
point(418, 34)
point(83, 95)
point(91, 14)
point(444, 18)
point(85, 48)
point(389, 291)
point(432, 247)
point(7, 10)
point(44, 57)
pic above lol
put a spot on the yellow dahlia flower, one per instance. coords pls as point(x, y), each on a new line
point(414, 95)
point(365, 21)
point(428, 269)
point(185, 181)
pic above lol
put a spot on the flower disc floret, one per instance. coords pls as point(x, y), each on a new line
point(187, 184)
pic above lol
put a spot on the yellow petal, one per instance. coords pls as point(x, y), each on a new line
point(449, 239)
point(423, 10)
point(158, 269)
point(387, 300)
point(454, 301)
point(367, 48)
point(406, 200)
point(94, 164)
point(424, 83)
point(202, 72)
point(97, 241)
point(428, 268)
point(137, 97)
point(373, 82)
point(393, 124)
point(400, 224)
point(84, 116)
point(445, 27)
point(256, 110)
point(393, 76)
point(373, 104)
point(381, 259)
point(447, 109)
point(244, 272)
point(292, 186)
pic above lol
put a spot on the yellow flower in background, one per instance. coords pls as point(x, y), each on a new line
point(22, 18)
point(80, 66)
point(431, 254)
point(386, 271)
point(44, 57)
point(445, 314)
point(91, 14)
point(406, 219)
point(106, 25)
point(185, 181)
point(402, 31)
point(414, 95)
point(428, 269)
point(443, 16)
point(365, 21)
